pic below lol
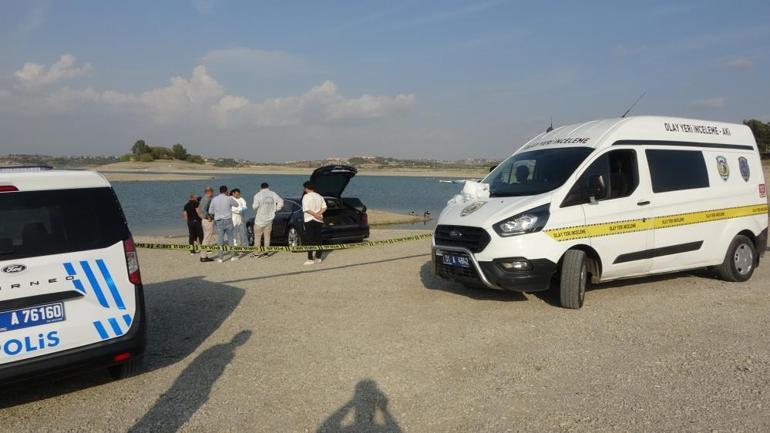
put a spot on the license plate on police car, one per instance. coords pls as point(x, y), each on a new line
point(31, 316)
point(456, 261)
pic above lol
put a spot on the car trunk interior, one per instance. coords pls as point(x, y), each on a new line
point(343, 212)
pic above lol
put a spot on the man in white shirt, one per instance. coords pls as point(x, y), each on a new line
point(313, 208)
point(239, 224)
point(266, 204)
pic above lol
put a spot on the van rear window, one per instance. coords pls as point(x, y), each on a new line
point(675, 170)
point(38, 223)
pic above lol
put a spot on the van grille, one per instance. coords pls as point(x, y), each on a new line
point(473, 238)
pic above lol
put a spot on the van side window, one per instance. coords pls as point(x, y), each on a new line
point(616, 174)
point(676, 170)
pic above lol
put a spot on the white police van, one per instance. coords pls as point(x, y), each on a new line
point(609, 199)
point(70, 290)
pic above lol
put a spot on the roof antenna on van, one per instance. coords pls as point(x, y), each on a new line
point(550, 128)
point(633, 105)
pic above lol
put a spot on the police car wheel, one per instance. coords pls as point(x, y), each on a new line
point(740, 260)
point(127, 369)
point(574, 278)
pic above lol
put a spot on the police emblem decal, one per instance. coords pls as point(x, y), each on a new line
point(743, 166)
point(723, 168)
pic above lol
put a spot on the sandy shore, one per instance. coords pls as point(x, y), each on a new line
point(138, 177)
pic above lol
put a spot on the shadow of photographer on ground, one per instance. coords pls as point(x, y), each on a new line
point(366, 412)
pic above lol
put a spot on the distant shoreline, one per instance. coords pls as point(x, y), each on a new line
point(174, 170)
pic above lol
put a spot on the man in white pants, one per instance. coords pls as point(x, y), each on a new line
point(265, 204)
point(241, 239)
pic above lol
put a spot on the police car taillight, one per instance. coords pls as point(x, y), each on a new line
point(8, 188)
point(132, 261)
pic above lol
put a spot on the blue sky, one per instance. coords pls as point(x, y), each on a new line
point(287, 80)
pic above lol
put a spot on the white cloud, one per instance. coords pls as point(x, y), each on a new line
point(709, 103)
point(321, 104)
point(35, 74)
point(203, 6)
point(201, 100)
point(740, 63)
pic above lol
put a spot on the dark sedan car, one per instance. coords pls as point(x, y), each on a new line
point(345, 219)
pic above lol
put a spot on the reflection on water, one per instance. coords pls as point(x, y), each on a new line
point(155, 208)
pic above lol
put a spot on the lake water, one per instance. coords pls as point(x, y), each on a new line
point(155, 208)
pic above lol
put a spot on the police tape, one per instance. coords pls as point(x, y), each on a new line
point(653, 223)
point(281, 249)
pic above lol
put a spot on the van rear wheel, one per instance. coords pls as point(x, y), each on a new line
point(740, 260)
point(574, 278)
point(126, 369)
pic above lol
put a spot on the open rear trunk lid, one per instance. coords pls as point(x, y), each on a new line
point(331, 180)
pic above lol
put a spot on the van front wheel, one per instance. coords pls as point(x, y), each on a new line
point(740, 260)
point(574, 278)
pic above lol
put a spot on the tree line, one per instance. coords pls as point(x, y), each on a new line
point(141, 152)
point(761, 132)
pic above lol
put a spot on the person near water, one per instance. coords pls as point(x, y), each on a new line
point(313, 208)
point(193, 220)
point(221, 208)
point(207, 222)
point(239, 225)
point(266, 204)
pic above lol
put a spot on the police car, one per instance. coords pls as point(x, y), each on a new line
point(609, 199)
point(70, 289)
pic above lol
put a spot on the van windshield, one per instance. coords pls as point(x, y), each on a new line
point(41, 223)
point(535, 172)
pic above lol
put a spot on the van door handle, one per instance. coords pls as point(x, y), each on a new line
point(643, 203)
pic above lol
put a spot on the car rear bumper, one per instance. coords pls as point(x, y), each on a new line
point(331, 236)
point(492, 274)
point(89, 357)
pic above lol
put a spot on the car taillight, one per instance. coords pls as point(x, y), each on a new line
point(132, 261)
point(8, 188)
point(365, 219)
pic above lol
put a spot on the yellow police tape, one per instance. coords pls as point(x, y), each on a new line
point(297, 249)
point(661, 222)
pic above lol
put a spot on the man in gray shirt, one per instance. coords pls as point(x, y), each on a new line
point(221, 208)
point(207, 221)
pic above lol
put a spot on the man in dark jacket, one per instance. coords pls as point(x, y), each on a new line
point(194, 226)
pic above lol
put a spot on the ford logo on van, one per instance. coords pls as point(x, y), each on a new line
point(12, 269)
point(455, 234)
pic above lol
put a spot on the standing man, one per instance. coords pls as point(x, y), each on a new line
point(238, 224)
point(193, 220)
point(266, 204)
point(222, 209)
point(207, 222)
point(313, 208)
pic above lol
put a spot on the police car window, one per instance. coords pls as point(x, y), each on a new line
point(38, 223)
point(535, 172)
point(616, 170)
point(676, 170)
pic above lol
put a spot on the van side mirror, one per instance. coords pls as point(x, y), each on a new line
point(596, 187)
point(492, 168)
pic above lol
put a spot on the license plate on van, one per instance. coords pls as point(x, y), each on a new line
point(456, 261)
point(31, 316)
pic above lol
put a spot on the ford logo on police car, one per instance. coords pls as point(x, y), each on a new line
point(12, 269)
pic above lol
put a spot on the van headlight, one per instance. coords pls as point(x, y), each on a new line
point(530, 221)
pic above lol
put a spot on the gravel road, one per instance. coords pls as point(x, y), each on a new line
point(369, 341)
